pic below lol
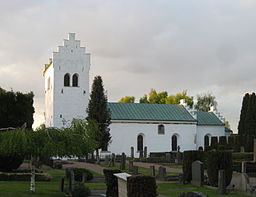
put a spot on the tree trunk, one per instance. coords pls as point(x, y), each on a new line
point(33, 176)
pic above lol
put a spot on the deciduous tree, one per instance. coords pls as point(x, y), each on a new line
point(205, 101)
point(127, 99)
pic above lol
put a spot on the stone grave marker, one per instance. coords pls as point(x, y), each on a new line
point(130, 166)
point(254, 150)
point(152, 171)
point(141, 153)
point(72, 180)
point(197, 173)
point(132, 152)
point(106, 160)
point(84, 177)
point(123, 162)
point(112, 160)
point(222, 182)
point(135, 170)
point(145, 152)
point(168, 157)
point(62, 184)
point(161, 173)
point(242, 149)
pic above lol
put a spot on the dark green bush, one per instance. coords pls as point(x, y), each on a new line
point(214, 141)
point(238, 156)
point(223, 140)
point(219, 160)
point(78, 173)
point(4, 176)
point(188, 158)
point(57, 165)
point(80, 190)
point(141, 186)
point(111, 182)
point(11, 162)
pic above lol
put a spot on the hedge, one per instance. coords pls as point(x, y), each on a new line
point(219, 160)
point(111, 182)
point(81, 190)
point(141, 186)
point(11, 162)
point(188, 158)
point(242, 156)
point(78, 173)
point(4, 176)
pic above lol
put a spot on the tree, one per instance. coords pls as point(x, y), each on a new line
point(175, 99)
point(127, 99)
point(205, 101)
point(97, 110)
point(144, 99)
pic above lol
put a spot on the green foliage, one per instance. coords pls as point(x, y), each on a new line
point(16, 109)
point(163, 98)
point(140, 185)
point(78, 173)
point(223, 140)
point(205, 101)
point(81, 190)
point(214, 141)
point(127, 99)
point(57, 165)
point(97, 110)
point(111, 182)
point(15, 176)
point(219, 160)
point(188, 158)
point(247, 122)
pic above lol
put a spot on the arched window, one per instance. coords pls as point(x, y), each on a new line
point(174, 143)
point(161, 129)
point(140, 143)
point(206, 141)
point(75, 80)
point(66, 80)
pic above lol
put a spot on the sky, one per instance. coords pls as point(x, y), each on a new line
point(135, 45)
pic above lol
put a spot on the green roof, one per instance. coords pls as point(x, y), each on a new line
point(208, 118)
point(152, 112)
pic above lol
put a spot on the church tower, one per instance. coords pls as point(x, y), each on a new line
point(67, 84)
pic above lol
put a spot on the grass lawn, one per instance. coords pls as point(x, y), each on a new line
point(175, 189)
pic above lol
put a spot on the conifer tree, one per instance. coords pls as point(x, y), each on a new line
point(241, 125)
point(97, 110)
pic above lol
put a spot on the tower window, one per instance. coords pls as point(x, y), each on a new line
point(161, 129)
point(140, 143)
point(174, 143)
point(75, 80)
point(66, 80)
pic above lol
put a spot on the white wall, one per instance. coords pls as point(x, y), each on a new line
point(69, 102)
point(124, 135)
point(212, 130)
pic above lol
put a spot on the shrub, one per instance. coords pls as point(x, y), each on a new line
point(222, 140)
point(111, 182)
point(242, 156)
point(142, 186)
point(57, 165)
point(188, 158)
point(80, 190)
point(4, 176)
point(78, 173)
point(11, 162)
point(219, 160)
point(214, 141)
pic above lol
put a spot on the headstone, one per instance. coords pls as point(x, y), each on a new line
point(161, 173)
point(84, 177)
point(222, 182)
point(123, 162)
point(243, 170)
point(112, 160)
point(242, 149)
point(152, 171)
point(141, 153)
point(107, 159)
point(62, 184)
point(197, 173)
point(254, 150)
point(132, 152)
point(130, 166)
point(145, 152)
point(179, 158)
point(135, 170)
point(168, 157)
point(72, 180)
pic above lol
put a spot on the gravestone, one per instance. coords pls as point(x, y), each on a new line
point(152, 171)
point(141, 153)
point(123, 162)
point(168, 157)
point(62, 184)
point(254, 150)
point(145, 152)
point(84, 177)
point(135, 170)
point(132, 152)
point(242, 149)
point(107, 159)
point(222, 182)
point(197, 173)
point(130, 168)
point(72, 180)
point(161, 173)
point(112, 160)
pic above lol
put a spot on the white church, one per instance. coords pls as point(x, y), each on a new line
point(159, 127)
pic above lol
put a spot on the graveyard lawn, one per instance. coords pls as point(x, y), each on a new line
point(175, 189)
point(43, 189)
